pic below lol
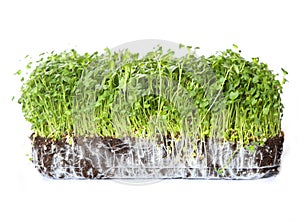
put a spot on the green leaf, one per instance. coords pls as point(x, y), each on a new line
point(236, 68)
point(237, 83)
point(221, 80)
point(255, 79)
point(284, 80)
point(181, 45)
point(204, 104)
point(28, 66)
point(253, 102)
point(256, 134)
point(251, 148)
point(235, 46)
point(233, 95)
point(284, 71)
point(266, 110)
point(18, 72)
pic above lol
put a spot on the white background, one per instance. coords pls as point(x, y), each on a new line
point(268, 29)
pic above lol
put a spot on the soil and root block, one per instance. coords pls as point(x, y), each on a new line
point(99, 158)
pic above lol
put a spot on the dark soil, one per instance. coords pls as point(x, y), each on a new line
point(108, 157)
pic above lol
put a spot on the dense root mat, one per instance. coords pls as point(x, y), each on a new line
point(99, 158)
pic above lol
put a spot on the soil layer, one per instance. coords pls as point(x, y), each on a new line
point(108, 157)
